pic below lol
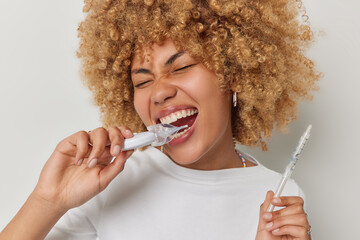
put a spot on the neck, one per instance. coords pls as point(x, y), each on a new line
point(220, 156)
point(218, 159)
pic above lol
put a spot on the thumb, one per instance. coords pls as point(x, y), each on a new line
point(263, 209)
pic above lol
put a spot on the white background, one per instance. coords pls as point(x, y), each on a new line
point(42, 101)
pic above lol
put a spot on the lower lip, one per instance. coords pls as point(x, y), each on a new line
point(185, 136)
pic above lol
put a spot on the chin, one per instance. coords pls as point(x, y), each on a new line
point(186, 154)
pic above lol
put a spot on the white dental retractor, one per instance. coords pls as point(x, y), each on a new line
point(156, 135)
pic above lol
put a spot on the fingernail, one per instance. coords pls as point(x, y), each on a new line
point(276, 200)
point(116, 150)
point(275, 231)
point(269, 225)
point(92, 163)
point(128, 132)
point(80, 162)
point(267, 216)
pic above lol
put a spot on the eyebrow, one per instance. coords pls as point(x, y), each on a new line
point(173, 58)
point(167, 63)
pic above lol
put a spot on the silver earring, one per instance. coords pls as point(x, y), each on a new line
point(234, 99)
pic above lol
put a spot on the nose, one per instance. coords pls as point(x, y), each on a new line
point(162, 91)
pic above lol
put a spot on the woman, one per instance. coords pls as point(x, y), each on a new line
point(229, 70)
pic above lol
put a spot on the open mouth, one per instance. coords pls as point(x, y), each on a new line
point(181, 118)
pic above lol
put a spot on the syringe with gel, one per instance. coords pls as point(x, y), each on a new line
point(156, 135)
point(291, 166)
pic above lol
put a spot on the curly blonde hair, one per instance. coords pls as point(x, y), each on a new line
point(256, 48)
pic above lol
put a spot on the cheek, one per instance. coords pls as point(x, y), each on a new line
point(142, 108)
point(200, 85)
point(213, 101)
point(204, 87)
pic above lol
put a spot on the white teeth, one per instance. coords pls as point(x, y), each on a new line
point(181, 133)
point(178, 115)
point(173, 117)
point(183, 113)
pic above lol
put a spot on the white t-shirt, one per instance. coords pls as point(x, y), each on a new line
point(156, 199)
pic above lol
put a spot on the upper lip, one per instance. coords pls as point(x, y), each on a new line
point(171, 109)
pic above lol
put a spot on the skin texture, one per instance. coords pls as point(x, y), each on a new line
point(210, 146)
point(80, 167)
point(74, 173)
point(289, 223)
point(253, 48)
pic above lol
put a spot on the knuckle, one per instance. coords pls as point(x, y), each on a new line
point(82, 133)
point(304, 220)
point(285, 229)
point(303, 231)
point(101, 130)
point(61, 144)
point(277, 214)
point(115, 135)
point(113, 129)
point(117, 139)
point(284, 200)
point(301, 201)
point(299, 208)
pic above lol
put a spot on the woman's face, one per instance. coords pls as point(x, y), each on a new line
point(172, 87)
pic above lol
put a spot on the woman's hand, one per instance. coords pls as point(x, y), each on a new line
point(289, 223)
point(81, 167)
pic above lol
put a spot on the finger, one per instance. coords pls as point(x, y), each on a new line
point(113, 169)
point(287, 201)
point(82, 140)
point(117, 136)
point(74, 146)
point(295, 220)
point(263, 214)
point(297, 232)
point(126, 132)
point(290, 210)
point(116, 139)
point(105, 158)
point(99, 138)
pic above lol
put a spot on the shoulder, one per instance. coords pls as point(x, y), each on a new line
point(271, 179)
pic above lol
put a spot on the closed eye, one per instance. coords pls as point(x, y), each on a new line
point(183, 68)
point(141, 84)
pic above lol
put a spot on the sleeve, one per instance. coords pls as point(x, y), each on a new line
point(73, 225)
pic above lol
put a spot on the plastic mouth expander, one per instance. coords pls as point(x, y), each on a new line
point(156, 135)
